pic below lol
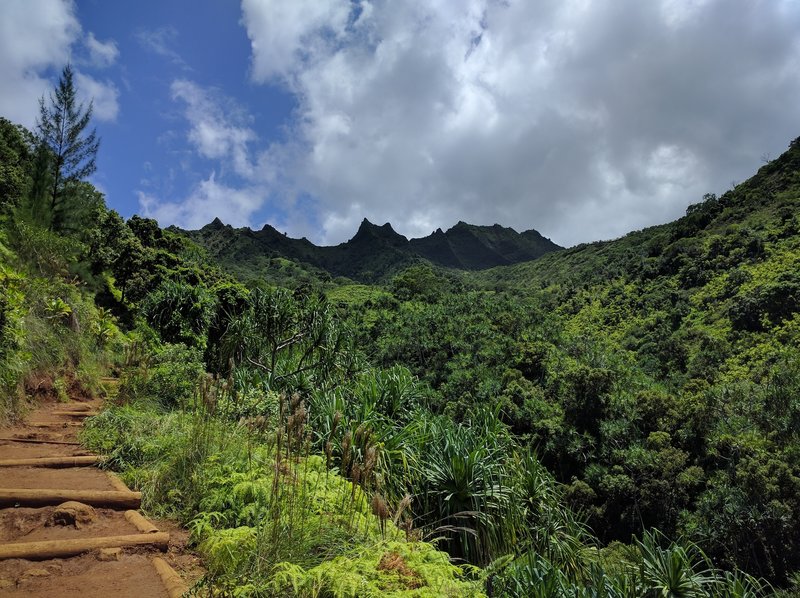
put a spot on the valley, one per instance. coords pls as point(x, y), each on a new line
point(478, 412)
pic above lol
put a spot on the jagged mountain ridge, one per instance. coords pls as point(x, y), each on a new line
point(374, 251)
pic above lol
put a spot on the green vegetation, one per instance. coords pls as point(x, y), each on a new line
point(618, 419)
point(656, 376)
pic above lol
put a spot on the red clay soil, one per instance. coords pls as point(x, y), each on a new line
point(132, 576)
point(73, 478)
point(19, 450)
point(34, 525)
point(125, 573)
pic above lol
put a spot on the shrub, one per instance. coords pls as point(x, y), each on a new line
point(170, 377)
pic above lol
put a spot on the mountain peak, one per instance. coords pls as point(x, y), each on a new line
point(386, 233)
point(215, 224)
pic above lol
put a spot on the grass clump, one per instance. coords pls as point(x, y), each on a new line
point(168, 375)
point(54, 341)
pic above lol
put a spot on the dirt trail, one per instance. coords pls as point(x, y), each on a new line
point(39, 525)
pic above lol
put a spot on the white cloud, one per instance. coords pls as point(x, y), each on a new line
point(284, 34)
point(37, 36)
point(208, 200)
point(34, 35)
point(160, 42)
point(583, 120)
point(104, 95)
point(218, 130)
point(101, 54)
point(217, 127)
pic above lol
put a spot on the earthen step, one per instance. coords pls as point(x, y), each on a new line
point(75, 413)
point(59, 549)
point(40, 441)
point(55, 462)
point(42, 497)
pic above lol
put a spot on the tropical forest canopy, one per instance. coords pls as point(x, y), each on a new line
point(440, 416)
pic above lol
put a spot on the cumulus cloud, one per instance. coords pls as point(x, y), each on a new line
point(103, 94)
point(101, 54)
point(34, 36)
point(284, 34)
point(37, 38)
point(583, 120)
point(218, 128)
point(208, 200)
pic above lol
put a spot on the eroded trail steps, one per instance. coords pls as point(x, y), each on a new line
point(69, 529)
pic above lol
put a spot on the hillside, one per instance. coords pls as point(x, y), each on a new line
point(718, 230)
point(373, 254)
point(656, 375)
point(719, 283)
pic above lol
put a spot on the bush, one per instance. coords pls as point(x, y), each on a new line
point(170, 377)
point(180, 312)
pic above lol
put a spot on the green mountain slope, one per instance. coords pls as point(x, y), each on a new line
point(703, 298)
point(759, 212)
point(657, 375)
point(373, 254)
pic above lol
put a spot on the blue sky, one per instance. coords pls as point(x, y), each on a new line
point(583, 120)
point(145, 150)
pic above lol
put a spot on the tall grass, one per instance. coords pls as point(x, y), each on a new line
point(651, 566)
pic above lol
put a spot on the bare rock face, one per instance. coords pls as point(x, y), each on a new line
point(72, 513)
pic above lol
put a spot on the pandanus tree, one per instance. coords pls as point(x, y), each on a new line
point(180, 312)
point(287, 342)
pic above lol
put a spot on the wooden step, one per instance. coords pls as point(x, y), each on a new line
point(139, 522)
point(171, 580)
point(55, 462)
point(76, 407)
point(40, 441)
point(43, 497)
point(74, 413)
point(59, 549)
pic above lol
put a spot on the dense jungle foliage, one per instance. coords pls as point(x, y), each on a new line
point(618, 419)
point(656, 376)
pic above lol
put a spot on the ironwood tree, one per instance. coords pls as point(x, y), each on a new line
point(62, 129)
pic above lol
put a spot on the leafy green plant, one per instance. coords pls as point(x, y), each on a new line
point(181, 313)
point(677, 570)
point(58, 309)
point(170, 377)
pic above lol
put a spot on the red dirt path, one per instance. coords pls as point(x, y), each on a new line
point(127, 574)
